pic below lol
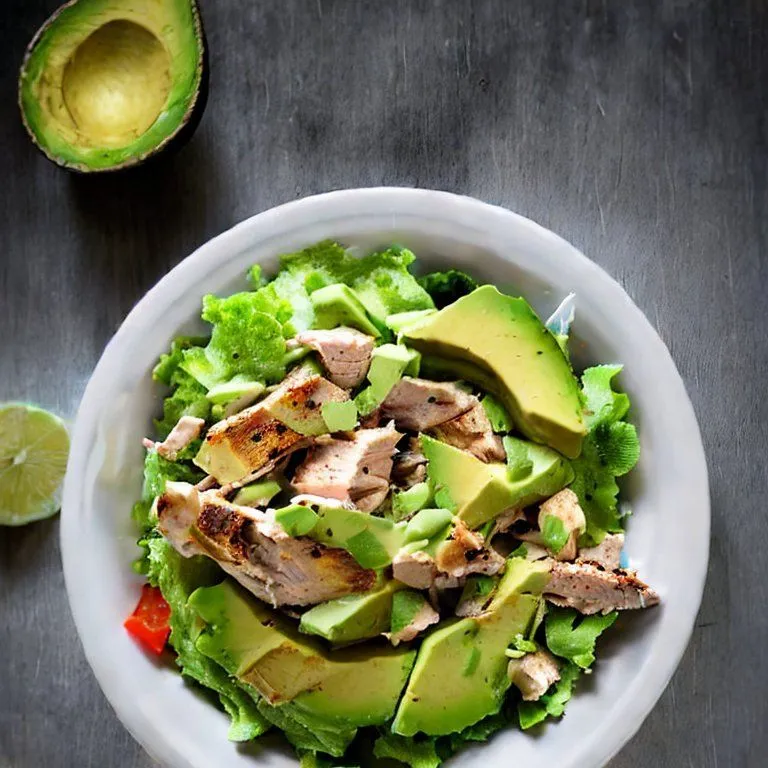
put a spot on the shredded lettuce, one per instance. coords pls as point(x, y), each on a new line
point(575, 643)
point(446, 287)
point(177, 578)
point(610, 449)
point(552, 703)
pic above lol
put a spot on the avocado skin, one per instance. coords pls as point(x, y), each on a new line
point(170, 144)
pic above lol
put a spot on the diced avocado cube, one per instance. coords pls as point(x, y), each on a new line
point(398, 322)
point(296, 520)
point(497, 414)
point(257, 494)
point(427, 523)
point(337, 305)
point(405, 503)
point(340, 417)
point(389, 363)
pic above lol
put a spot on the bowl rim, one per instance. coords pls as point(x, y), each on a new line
point(278, 221)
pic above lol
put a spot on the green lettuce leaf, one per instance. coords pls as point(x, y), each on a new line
point(418, 753)
point(177, 578)
point(188, 395)
point(381, 280)
point(575, 643)
point(552, 703)
point(307, 732)
point(610, 449)
point(247, 340)
point(446, 287)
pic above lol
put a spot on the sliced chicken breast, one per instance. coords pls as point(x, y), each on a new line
point(607, 553)
point(533, 674)
point(420, 405)
point(410, 465)
point(246, 446)
point(344, 353)
point(356, 470)
point(591, 589)
point(255, 551)
point(464, 552)
point(187, 429)
point(472, 431)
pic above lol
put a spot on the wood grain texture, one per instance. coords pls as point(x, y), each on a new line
point(635, 129)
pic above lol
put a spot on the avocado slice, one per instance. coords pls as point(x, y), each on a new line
point(353, 617)
point(405, 503)
point(354, 687)
point(336, 305)
point(460, 675)
point(257, 494)
point(107, 84)
point(478, 492)
point(514, 357)
point(389, 363)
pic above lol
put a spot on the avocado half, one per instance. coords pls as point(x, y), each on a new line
point(108, 84)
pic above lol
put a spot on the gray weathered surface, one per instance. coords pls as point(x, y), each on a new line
point(637, 130)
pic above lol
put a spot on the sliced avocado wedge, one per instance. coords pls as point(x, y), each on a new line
point(257, 494)
point(405, 503)
point(353, 617)
point(460, 675)
point(107, 84)
point(514, 357)
point(477, 492)
point(351, 687)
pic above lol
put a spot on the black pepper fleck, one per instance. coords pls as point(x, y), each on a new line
point(256, 438)
point(431, 399)
point(281, 429)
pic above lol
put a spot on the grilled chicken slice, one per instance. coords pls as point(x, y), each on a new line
point(356, 470)
point(409, 466)
point(591, 589)
point(461, 554)
point(533, 674)
point(472, 431)
point(254, 550)
point(464, 552)
point(246, 446)
point(607, 553)
point(420, 405)
point(344, 353)
point(416, 569)
point(187, 429)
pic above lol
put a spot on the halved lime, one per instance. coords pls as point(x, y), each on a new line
point(33, 457)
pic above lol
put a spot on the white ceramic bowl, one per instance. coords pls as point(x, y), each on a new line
point(668, 537)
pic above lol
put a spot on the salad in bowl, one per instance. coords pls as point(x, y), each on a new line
point(380, 512)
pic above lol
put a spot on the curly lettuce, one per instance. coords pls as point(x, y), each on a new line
point(446, 287)
point(177, 578)
point(610, 449)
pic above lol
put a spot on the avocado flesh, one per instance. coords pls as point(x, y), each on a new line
point(460, 675)
point(353, 617)
point(107, 83)
point(372, 541)
point(483, 491)
point(513, 356)
point(352, 687)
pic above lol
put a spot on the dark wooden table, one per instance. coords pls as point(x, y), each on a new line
point(635, 129)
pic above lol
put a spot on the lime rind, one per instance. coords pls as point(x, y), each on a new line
point(34, 445)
